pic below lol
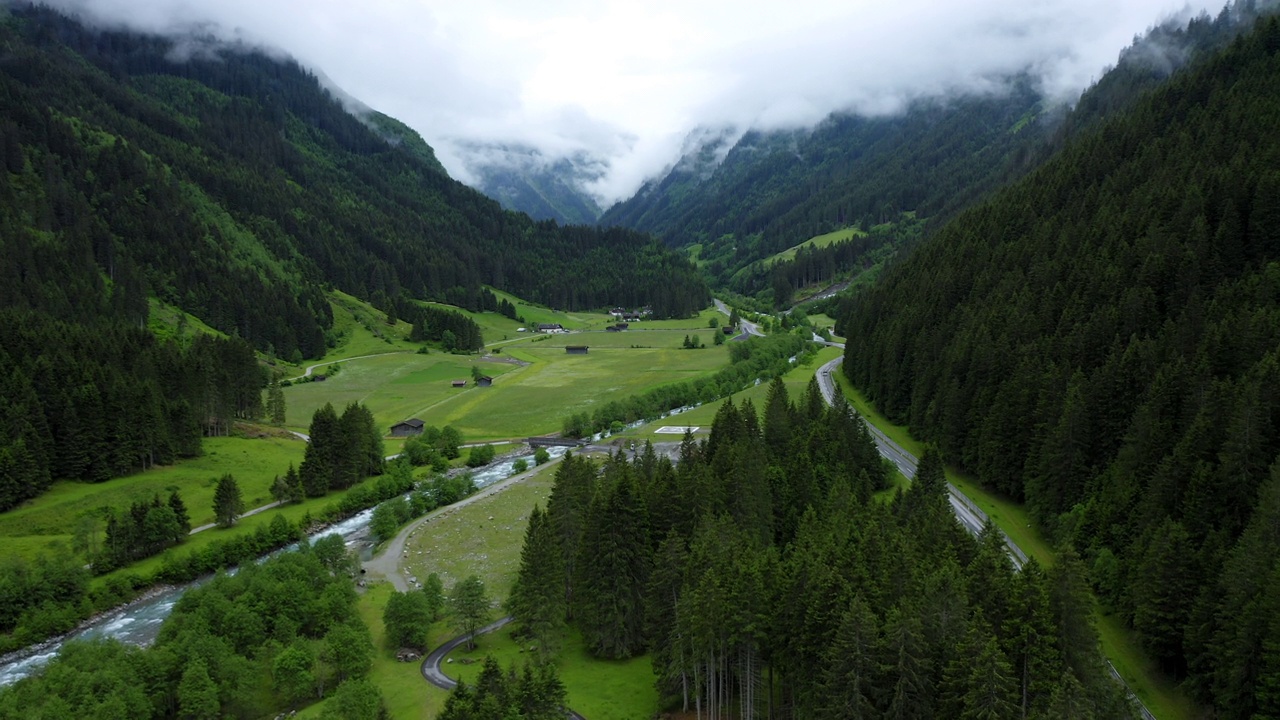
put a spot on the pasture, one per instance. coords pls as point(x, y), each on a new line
point(536, 382)
point(31, 528)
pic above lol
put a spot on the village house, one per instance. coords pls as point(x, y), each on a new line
point(551, 328)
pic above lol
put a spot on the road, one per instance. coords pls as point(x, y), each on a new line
point(972, 517)
point(969, 514)
point(431, 663)
point(254, 511)
point(748, 328)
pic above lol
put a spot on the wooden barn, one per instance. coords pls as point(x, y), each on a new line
point(459, 383)
point(484, 381)
point(405, 428)
point(576, 349)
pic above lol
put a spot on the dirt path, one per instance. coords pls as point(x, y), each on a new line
point(358, 357)
point(386, 564)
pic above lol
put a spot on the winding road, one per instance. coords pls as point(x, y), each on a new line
point(431, 663)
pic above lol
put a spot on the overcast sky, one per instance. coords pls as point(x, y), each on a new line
point(626, 81)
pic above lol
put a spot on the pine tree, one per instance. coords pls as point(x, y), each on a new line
point(469, 606)
point(849, 670)
point(537, 600)
point(275, 402)
point(227, 503)
point(319, 462)
point(180, 513)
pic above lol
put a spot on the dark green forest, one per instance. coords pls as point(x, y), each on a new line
point(230, 185)
point(768, 574)
point(1102, 340)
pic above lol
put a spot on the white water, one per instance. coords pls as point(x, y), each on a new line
point(139, 623)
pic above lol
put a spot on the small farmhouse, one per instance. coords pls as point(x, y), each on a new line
point(484, 381)
point(551, 328)
point(405, 428)
point(576, 349)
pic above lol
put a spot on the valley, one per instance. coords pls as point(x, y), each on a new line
point(983, 385)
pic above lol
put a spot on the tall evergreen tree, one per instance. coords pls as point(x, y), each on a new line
point(537, 600)
point(227, 503)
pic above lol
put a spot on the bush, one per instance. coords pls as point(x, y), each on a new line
point(480, 455)
point(519, 466)
point(541, 456)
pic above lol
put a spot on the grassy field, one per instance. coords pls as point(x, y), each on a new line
point(529, 399)
point(29, 529)
point(483, 538)
point(598, 689)
point(830, 238)
point(1161, 696)
point(795, 381)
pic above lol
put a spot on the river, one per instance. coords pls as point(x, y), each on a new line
point(139, 622)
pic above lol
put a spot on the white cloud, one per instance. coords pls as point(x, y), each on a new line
point(627, 81)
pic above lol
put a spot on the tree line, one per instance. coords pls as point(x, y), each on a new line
point(1100, 341)
point(770, 573)
point(95, 400)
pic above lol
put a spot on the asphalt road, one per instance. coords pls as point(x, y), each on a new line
point(431, 663)
point(972, 517)
point(748, 328)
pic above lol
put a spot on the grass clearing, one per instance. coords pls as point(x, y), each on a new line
point(830, 238)
point(407, 695)
point(598, 689)
point(253, 462)
point(483, 538)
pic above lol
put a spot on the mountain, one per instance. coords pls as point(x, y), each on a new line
point(743, 198)
point(736, 198)
point(1102, 340)
point(234, 186)
point(523, 180)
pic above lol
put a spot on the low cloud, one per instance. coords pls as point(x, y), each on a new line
point(625, 83)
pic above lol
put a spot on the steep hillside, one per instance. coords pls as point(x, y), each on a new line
point(774, 190)
point(241, 185)
point(523, 180)
point(745, 200)
point(1103, 340)
point(230, 185)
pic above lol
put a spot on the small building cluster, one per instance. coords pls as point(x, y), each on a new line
point(631, 315)
point(617, 327)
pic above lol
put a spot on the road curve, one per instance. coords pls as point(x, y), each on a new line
point(432, 673)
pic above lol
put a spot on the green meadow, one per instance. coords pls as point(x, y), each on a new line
point(536, 381)
point(830, 238)
point(50, 518)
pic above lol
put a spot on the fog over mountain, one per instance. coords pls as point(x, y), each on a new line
point(623, 85)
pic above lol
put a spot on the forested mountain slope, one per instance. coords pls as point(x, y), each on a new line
point(231, 185)
point(237, 187)
point(773, 190)
point(1103, 340)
